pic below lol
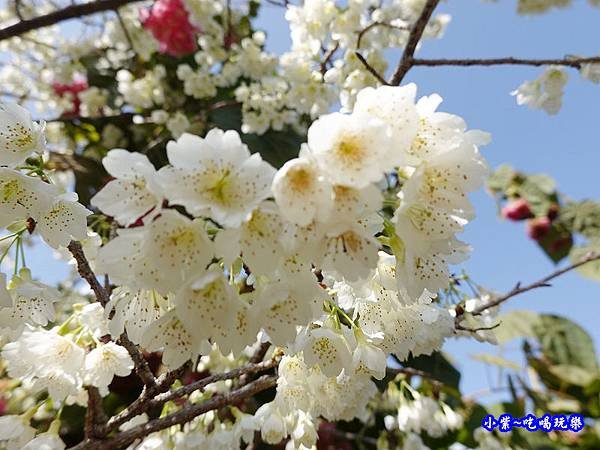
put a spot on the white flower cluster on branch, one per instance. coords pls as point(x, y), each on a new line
point(218, 248)
point(302, 279)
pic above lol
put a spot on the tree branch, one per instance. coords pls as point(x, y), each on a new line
point(163, 383)
point(142, 369)
point(327, 57)
point(518, 289)
point(152, 398)
point(182, 416)
point(414, 37)
point(568, 61)
point(94, 414)
point(371, 69)
point(70, 12)
point(372, 25)
point(86, 272)
point(201, 384)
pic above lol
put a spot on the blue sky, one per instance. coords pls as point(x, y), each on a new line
point(566, 146)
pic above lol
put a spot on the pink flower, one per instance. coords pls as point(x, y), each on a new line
point(538, 228)
point(517, 210)
point(72, 90)
point(168, 22)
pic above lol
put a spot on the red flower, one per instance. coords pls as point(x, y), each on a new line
point(538, 228)
point(72, 89)
point(169, 23)
point(517, 210)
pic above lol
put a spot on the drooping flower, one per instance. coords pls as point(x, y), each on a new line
point(544, 93)
point(273, 424)
point(104, 362)
point(16, 431)
point(169, 23)
point(22, 196)
point(49, 360)
point(160, 255)
point(64, 220)
point(32, 302)
point(591, 71)
point(210, 308)
point(50, 440)
point(19, 135)
point(328, 349)
point(133, 311)
point(258, 240)
point(174, 339)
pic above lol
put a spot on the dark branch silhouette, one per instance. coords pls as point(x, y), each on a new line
point(414, 37)
point(70, 12)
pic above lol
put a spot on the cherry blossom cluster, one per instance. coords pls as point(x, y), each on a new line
point(53, 360)
point(218, 246)
point(336, 258)
point(546, 92)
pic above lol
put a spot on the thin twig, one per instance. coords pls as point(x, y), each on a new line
point(519, 289)
point(568, 61)
point(18, 10)
point(460, 327)
point(327, 58)
point(179, 417)
point(372, 25)
point(163, 383)
point(201, 384)
point(125, 30)
point(353, 436)
point(70, 12)
point(413, 373)
point(153, 398)
point(370, 68)
point(413, 40)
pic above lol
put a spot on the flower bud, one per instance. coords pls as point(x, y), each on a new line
point(538, 228)
point(517, 210)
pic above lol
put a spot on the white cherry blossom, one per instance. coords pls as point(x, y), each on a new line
point(216, 176)
point(105, 362)
point(135, 190)
point(65, 220)
point(19, 135)
point(351, 149)
point(302, 191)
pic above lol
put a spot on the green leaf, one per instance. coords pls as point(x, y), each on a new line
point(438, 366)
point(589, 270)
point(534, 190)
point(582, 217)
point(500, 180)
point(496, 361)
point(543, 183)
point(565, 342)
point(573, 374)
point(557, 243)
point(516, 324)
